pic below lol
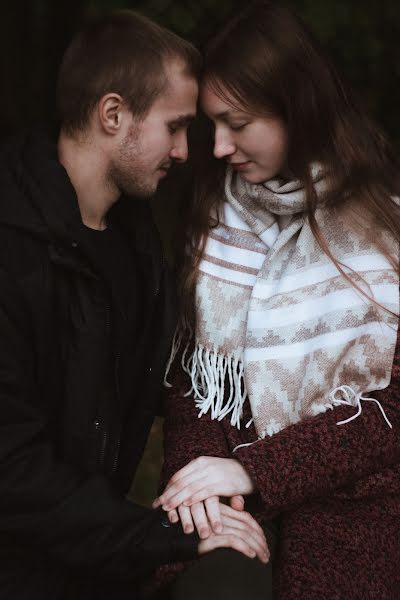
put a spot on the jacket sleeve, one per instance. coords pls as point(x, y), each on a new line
point(185, 435)
point(78, 519)
point(317, 457)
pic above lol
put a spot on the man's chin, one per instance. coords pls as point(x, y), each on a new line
point(145, 192)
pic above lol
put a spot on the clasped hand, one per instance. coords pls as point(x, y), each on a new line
point(203, 478)
point(193, 493)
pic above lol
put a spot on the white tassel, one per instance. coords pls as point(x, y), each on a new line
point(176, 343)
point(210, 372)
point(351, 398)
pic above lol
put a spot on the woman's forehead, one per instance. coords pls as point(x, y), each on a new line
point(217, 99)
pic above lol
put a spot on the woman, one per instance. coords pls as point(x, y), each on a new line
point(293, 366)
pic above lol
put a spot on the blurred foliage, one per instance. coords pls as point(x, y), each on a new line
point(363, 37)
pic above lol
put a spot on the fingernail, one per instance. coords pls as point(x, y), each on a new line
point(166, 507)
point(174, 519)
point(218, 527)
point(188, 529)
point(265, 557)
point(204, 533)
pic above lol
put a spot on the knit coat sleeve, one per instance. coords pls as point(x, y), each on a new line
point(314, 458)
point(185, 435)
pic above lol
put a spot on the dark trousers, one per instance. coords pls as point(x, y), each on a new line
point(44, 580)
point(228, 575)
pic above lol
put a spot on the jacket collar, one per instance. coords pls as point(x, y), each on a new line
point(37, 196)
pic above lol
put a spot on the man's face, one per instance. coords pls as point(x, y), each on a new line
point(154, 143)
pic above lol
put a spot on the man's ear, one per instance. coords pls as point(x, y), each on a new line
point(110, 111)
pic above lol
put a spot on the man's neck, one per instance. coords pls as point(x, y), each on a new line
point(86, 165)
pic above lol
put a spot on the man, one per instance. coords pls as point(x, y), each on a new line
point(86, 319)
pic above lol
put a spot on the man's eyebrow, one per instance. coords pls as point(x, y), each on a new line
point(183, 120)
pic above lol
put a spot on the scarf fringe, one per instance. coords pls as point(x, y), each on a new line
point(209, 373)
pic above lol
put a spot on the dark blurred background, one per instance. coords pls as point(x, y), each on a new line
point(362, 35)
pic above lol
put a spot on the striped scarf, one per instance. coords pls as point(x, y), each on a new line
point(276, 322)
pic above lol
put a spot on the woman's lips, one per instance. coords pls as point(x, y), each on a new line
point(240, 166)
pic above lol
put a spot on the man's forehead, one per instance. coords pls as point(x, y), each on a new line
point(180, 95)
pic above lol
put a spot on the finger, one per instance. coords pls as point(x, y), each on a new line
point(201, 491)
point(186, 519)
point(236, 539)
point(243, 516)
point(214, 513)
point(173, 516)
point(174, 489)
point(197, 489)
point(254, 539)
point(227, 540)
point(198, 464)
point(256, 542)
point(237, 502)
point(200, 520)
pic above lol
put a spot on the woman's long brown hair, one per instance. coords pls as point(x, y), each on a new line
point(269, 63)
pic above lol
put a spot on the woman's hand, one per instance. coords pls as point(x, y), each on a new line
point(203, 478)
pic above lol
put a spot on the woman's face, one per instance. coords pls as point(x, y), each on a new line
point(254, 145)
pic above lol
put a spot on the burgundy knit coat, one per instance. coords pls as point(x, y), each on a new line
point(335, 489)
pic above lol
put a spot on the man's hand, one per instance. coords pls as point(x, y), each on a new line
point(205, 516)
point(240, 532)
point(204, 478)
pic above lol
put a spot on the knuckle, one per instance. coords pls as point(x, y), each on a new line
point(183, 513)
point(191, 488)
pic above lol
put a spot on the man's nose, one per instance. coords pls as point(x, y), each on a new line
point(179, 151)
point(223, 143)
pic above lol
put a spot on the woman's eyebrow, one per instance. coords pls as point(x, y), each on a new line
point(229, 114)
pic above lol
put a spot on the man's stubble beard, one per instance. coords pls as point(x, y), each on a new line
point(127, 172)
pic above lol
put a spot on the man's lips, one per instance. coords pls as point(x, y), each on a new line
point(164, 169)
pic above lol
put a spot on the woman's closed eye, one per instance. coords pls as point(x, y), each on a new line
point(237, 126)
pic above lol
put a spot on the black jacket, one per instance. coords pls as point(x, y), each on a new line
point(77, 394)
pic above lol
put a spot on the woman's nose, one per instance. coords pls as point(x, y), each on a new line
point(223, 144)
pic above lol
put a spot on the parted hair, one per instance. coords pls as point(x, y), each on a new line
point(122, 52)
point(268, 61)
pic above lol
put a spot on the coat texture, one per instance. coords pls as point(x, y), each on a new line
point(78, 392)
point(335, 491)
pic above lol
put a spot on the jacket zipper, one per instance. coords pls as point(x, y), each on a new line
point(118, 437)
point(99, 425)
